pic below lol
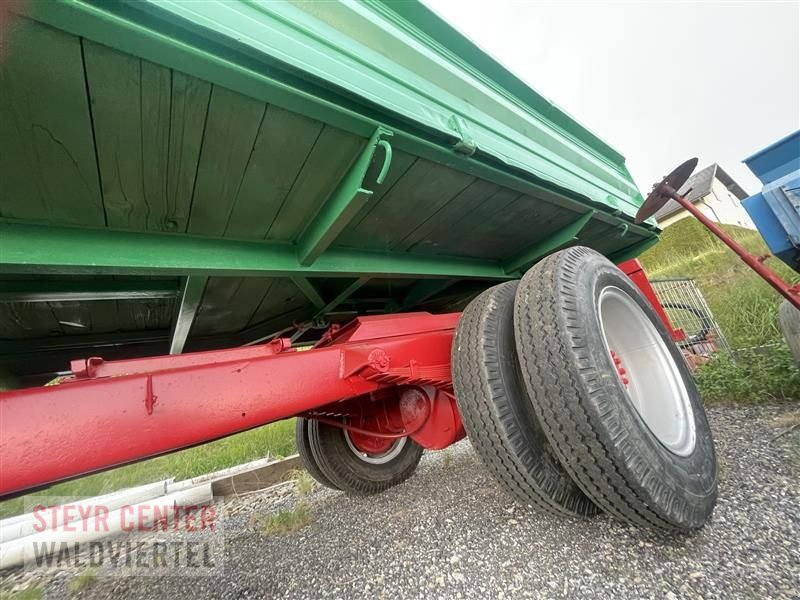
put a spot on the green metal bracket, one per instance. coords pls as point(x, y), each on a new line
point(424, 289)
point(309, 291)
point(191, 295)
point(465, 145)
point(349, 197)
point(83, 291)
point(530, 255)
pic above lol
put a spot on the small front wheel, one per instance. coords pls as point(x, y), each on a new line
point(359, 464)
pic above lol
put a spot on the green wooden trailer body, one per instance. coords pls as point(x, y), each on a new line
point(180, 175)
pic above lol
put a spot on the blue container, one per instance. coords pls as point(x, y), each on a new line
point(776, 210)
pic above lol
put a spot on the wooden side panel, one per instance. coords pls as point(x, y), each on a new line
point(463, 205)
point(283, 297)
point(461, 235)
point(148, 128)
point(281, 148)
point(145, 315)
point(27, 319)
point(188, 106)
point(47, 163)
point(420, 192)
point(401, 163)
point(333, 153)
point(229, 303)
point(232, 123)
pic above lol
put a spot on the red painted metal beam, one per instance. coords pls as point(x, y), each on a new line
point(115, 413)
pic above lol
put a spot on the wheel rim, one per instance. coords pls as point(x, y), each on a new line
point(648, 371)
point(376, 458)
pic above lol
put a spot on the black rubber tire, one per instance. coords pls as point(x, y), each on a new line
point(584, 409)
point(347, 472)
point(497, 412)
point(307, 456)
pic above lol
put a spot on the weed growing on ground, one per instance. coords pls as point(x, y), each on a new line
point(285, 521)
point(753, 377)
point(304, 483)
point(83, 581)
point(31, 592)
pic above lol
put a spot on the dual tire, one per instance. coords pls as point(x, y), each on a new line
point(576, 399)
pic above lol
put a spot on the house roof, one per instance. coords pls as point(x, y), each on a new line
point(699, 186)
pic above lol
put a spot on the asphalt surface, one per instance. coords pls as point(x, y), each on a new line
point(451, 532)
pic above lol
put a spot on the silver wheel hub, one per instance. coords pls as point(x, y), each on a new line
point(377, 459)
point(647, 370)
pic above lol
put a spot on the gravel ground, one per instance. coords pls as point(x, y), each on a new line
point(451, 532)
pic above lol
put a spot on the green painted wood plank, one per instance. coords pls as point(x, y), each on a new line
point(229, 303)
point(114, 82)
point(25, 319)
point(282, 298)
point(459, 236)
point(284, 142)
point(474, 195)
point(329, 160)
point(81, 318)
point(149, 126)
point(401, 163)
point(544, 246)
point(232, 123)
point(47, 160)
point(146, 315)
point(189, 103)
point(419, 193)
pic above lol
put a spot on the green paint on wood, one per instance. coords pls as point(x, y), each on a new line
point(47, 165)
point(282, 298)
point(283, 143)
point(418, 194)
point(442, 221)
point(232, 123)
point(401, 163)
point(329, 160)
point(190, 98)
point(228, 304)
point(345, 202)
point(148, 127)
point(530, 255)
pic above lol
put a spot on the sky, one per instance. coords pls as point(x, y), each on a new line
point(660, 81)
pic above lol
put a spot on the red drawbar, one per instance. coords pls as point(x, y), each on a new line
point(112, 413)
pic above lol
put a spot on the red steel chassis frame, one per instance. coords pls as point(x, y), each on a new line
point(388, 376)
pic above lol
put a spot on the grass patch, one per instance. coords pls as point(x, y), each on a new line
point(275, 440)
point(753, 378)
point(83, 581)
point(285, 521)
point(32, 592)
point(304, 483)
point(447, 457)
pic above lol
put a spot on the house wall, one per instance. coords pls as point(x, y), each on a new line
point(720, 206)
